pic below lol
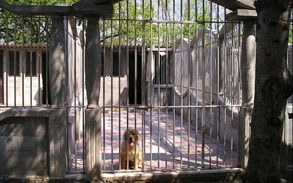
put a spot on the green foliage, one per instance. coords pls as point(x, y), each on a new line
point(142, 25)
point(133, 22)
point(41, 2)
point(23, 30)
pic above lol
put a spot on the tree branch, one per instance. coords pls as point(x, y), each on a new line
point(107, 37)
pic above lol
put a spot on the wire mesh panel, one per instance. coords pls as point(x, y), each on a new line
point(171, 71)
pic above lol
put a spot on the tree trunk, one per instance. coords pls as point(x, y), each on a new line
point(273, 86)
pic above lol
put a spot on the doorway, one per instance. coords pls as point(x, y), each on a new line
point(132, 82)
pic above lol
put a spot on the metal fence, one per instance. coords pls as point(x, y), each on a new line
point(173, 74)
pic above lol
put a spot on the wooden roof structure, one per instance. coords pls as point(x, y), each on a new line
point(235, 4)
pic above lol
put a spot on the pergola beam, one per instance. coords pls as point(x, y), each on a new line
point(235, 4)
point(77, 9)
point(241, 14)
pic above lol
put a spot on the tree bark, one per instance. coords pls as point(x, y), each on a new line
point(273, 86)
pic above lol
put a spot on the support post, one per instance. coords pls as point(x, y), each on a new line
point(57, 123)
point(93, 62)
point(57, 142)
point(92, 113)
point(248, 59)
point(57, 62)
point(93, 142)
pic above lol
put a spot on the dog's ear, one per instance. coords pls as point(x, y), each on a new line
point(137, 135)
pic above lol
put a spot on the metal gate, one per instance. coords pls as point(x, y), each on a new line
point(171, 71)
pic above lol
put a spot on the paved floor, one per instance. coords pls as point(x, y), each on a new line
point(162, 151)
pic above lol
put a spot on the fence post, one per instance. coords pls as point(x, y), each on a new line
point(248, 59)
point(57, 62)
point(92, 113)
point(57, 123)
point(93, 61)
point(57, 141)
point(93, 142)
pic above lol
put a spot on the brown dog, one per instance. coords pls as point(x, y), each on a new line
point(131, 140)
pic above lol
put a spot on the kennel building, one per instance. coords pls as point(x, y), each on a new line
point(170, 69)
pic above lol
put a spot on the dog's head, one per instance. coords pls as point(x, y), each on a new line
point(131, 136)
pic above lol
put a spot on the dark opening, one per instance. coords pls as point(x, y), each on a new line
point(1, 78)
point(108, 64)
point(45, 77)
point(115, 64)
point(13, 61)
point(132, 82)
point(31, 62)
point(162, 68)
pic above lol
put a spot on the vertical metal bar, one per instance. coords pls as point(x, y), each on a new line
point(83, 94)
point(119, 82)
point(232, 95)
point(188, 96)
point(167, 83)
point(111, 74)
point(7, 61)
point(203, 90)
point(173, 82)
point(74, 93)
point(104, 93)
point(38, 62)
point(239, 86)
point(23, 65)
point(135, 76)
point(218, 89)
point(211, 86)
point(196, 88)
point(143, 142)
point(196, 10)
point(143, 79)
point(151, 109)
point(181, 79)
point(14, 60)
point(158, 74)
point(127, 74)
point(31, 61)
point(47, 62)
point(224, 83)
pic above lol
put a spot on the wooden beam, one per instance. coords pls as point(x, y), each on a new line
point(235, 4)
point(241, 14)
point(100, 10)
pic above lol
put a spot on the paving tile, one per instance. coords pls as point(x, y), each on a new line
point(170, 154)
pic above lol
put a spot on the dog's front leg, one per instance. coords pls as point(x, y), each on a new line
point(123, 161)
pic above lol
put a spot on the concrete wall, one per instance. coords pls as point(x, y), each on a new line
point(33, 142)
point(24, 146)
point(226, 117)
point(115, 79)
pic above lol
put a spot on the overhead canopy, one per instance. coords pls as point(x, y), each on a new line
point(235, 4)
point(79, 9)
